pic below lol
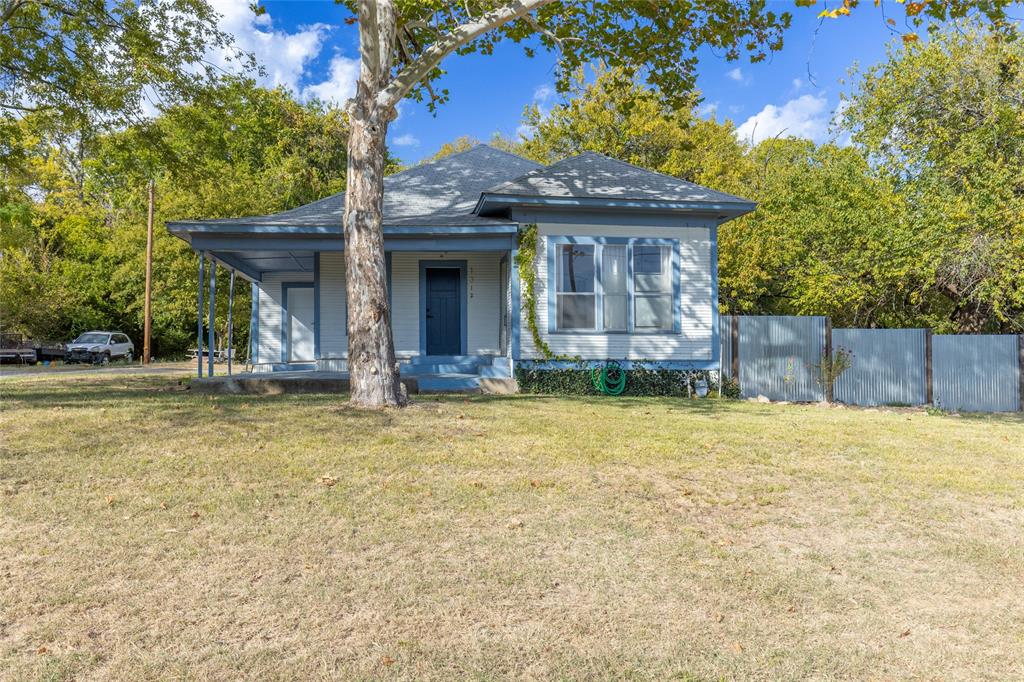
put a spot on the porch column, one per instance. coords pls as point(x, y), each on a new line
point(199, 317)
point(213, 303)
point(514, 309)
point(231, 305)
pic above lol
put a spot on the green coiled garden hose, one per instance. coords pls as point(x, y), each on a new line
point(605, 383)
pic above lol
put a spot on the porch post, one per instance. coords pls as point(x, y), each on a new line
point(231, 304)
point(213, 302)
point(199, 317)
point(254, 325)
point(514, 312)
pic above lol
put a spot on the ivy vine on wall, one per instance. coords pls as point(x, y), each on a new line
point(526, 261)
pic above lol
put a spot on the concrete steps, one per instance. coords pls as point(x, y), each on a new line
point(459, 373)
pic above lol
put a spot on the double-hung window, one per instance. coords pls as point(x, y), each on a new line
point(576, 295)
point(621, 285)
point(652, 288)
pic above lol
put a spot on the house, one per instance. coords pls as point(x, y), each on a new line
point(625, 267)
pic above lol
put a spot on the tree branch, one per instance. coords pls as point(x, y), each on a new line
point(415, 72)
point(10, 9)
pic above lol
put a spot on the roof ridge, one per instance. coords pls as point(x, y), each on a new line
point(590, 152)
point(664, 175)
point(454, 155)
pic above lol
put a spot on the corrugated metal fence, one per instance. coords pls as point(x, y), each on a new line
point(779, 357)
point(976, 373)
point(888, 366)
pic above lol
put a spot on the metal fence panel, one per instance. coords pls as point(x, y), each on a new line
point(778, 356)
point(887, 366)
point(725, 336)
point(976, 373)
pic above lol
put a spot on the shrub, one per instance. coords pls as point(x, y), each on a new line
point(641, 380)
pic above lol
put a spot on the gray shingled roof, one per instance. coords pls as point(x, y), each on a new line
point(595, 176)
point(441, 193)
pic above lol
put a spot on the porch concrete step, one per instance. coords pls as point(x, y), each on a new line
point(449, 383)
point(439, 368)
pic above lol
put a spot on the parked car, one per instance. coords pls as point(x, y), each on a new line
point(100, 347)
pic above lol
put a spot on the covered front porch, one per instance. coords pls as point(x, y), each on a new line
point(450, 293)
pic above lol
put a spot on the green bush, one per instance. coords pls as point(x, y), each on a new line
point(641, 380)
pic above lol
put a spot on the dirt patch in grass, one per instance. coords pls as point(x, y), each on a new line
point(151, 533)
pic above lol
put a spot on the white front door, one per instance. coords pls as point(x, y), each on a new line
point(300, 325)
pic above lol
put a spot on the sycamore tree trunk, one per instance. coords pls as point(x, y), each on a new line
point(372, 369)
point(373, 372)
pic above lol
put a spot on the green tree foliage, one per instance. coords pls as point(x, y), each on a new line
point(77, 260)
point(943, 121)
point(102, 61)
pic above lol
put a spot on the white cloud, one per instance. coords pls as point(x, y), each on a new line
point(340, 85)
point(806, 116)
point(735, 74)
point(285, 56)
point(707, 110)
point(406, 140)
point(797, 84)
point(542, 95)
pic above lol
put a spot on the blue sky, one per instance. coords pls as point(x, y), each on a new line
point(306, 46)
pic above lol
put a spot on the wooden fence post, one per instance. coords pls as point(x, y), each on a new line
point(928, 366)
point(829, 389)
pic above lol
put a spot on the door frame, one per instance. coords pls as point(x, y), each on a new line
point(459, 265)
point(286, 340)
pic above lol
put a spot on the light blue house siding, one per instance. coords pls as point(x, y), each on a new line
point(693, 339)
point(489, 297)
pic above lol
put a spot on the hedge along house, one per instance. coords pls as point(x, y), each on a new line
point(625, 268)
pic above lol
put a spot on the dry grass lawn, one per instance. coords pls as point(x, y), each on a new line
point(149, 533)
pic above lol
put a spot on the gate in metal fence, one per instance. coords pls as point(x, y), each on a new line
point(779, 357)
point(976, 373)
point(888, 366)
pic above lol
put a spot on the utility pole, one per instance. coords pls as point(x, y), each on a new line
point(148, 314)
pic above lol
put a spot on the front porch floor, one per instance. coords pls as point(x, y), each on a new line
point(314, 381)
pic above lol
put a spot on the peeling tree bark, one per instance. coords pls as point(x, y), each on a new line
point(373, 372)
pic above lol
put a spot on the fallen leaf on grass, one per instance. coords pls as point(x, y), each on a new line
point(905, 633)
point(194, 515)
point(514, 524)
point(328, 480)
point(737, 647)
point(110, 500)
point(387, 660)
point(719, 618)
point(41, 650)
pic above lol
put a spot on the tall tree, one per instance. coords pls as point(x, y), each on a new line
point(403, 42)
point(944, 121)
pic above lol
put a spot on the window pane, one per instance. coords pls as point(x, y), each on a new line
point(653, 312)
point(613, 269)
point(615, 312)
point(647, 260)
point(575, 311)
point(651, 267)
point(576, 268)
